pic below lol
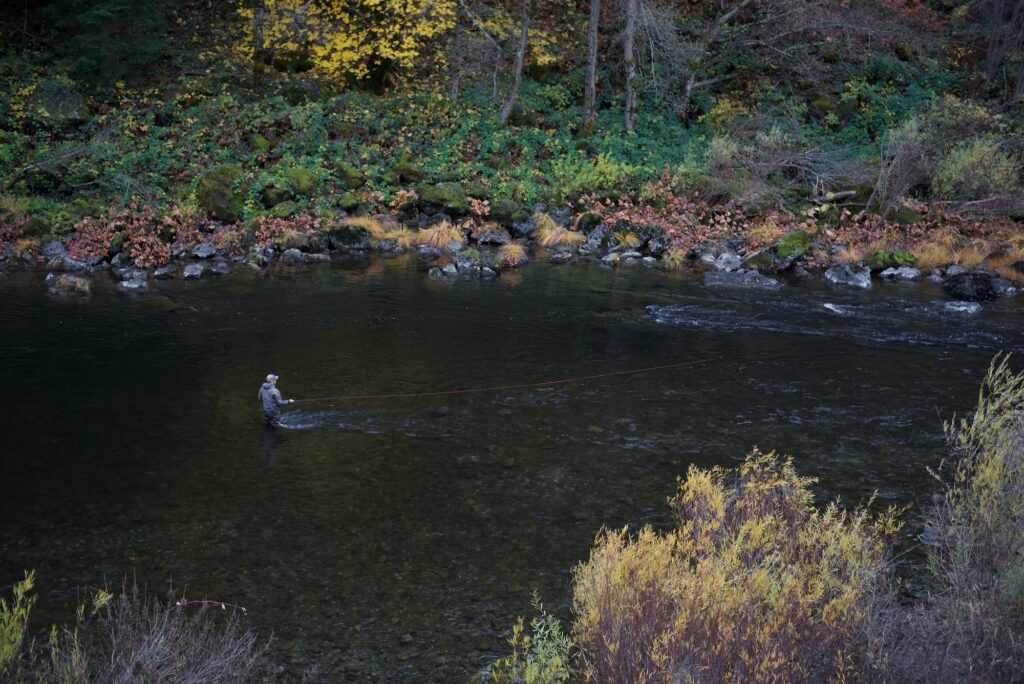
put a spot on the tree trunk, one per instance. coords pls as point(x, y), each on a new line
point(630, 60)
point(590, 91)
point(456, 59)
point(517, 68)
point(259, 14)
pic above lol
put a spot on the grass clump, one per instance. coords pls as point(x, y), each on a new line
point(512, 255)
point(371, 226)
point(551, 235)
point(755, 584)
point(440, 236)
point(403, 238)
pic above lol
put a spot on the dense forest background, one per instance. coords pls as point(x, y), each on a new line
point(321, 108)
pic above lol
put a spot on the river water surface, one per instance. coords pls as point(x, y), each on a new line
point(396, 540)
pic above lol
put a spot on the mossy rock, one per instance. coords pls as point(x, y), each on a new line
point(890, 258)
point(477, 191)
point(588, 222)
point(58, 102)
point(905, 217)
point(285, 209)
point(117, 242)
point(302, 181)
point(36, 226)
point(350, 176)
point(272, 196)
point(348, 201)
point(764, 261)
point(220, 193)
point(407, 172)
point(819, 107)
point(261, 144)
point(508, 211)
point(449, 196)
point(795, 244)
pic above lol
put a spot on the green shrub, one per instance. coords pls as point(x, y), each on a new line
point(14, 623)
point(894, 258)
point(976, 170)
point(538, 658)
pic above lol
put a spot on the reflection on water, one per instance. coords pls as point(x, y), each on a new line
point(396, 540)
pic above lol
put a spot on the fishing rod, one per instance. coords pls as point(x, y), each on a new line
point(498, 388)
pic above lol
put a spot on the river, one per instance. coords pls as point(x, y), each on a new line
point(397, 539)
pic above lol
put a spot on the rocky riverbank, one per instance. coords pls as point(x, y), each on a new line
point(453, 244)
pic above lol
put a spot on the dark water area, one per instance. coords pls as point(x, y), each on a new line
point(396, 540)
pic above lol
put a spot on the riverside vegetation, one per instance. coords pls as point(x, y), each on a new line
point(790, 136)
point(757, 583)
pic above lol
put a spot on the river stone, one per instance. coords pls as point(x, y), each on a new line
point(611, 260)
point(728, 262)
point(64, 285)
point(193, 271)
point(131, 274)
point(708, 259)
point(133, 285)
point(901, 273)
point(487, 272)
point(428, 252)
point(495, 236)
point(560, 258)
point(317, 258)
point(649, 261)
point(748, 280)
point(970, 287)
point(220, 267)
point(291, 256)
point(1003, 287)
point(630, 261)
point(562, 217)
point(837, 309)
point(966, 308)
point(845, 274)
point(204, 250)
point(54, 249)
point(955, 270)
point(524, 229)
point(435, 273)
point(166, 272)
point(450, 270)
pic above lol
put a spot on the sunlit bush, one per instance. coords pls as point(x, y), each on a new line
point(976, 170)
point(755, 585)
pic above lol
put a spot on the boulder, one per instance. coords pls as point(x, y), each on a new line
point(302, 181)
point(133, 285)
point(204, 250)
point(728, 262)
point(448, 197)
point(748, 280)
point(450, 270)
point(468, 262)
point(348, 238)
point(611, 260)
point(973, 286)
point(220, 267)
point(407, 172)
point(292, 255)
point(901, 273)
point(847, 275)
point(1004, 287)
point(166, 272)
point(272, 196)
point(351, 177)
point(955, 270)
point(284, 210)
point(220, 194)
point(963, 308)
point(317, 258)
point(54, 250)
point(794, 245)
point(599, 240)
point(63, 285)
point(560, 258)
point(494, 236)
point(507, 212)
point(562, 216)
point(193, 271)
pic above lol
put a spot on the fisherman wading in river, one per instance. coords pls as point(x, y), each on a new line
point(272, 402)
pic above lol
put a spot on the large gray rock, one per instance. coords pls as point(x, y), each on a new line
point(204, 250)
point(166, 272)
point(901, 273)
point(495, 236)
point(194, 271)
point(747, 280)
point(291, 256)
point(54, 249)
point(847, 275)
point(963, 308)
point(1004, 287)
point(220, 267)
point(955, 270)
point(63, 285)
point(728, 262)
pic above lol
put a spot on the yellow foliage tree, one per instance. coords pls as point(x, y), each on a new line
point(346, 39)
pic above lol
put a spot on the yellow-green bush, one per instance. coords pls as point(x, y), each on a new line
point(976, 170)
point(14, 621)
point(976, 538)
point(540, 655)
point(755, 585)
